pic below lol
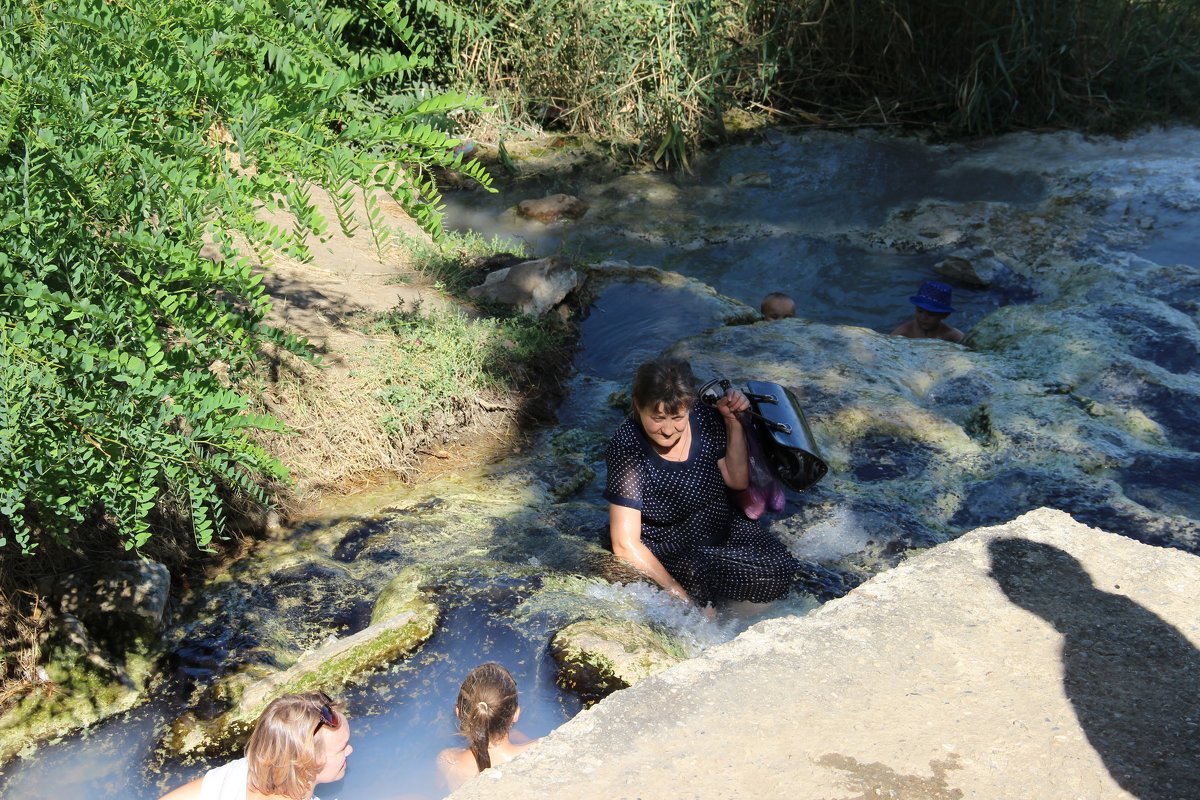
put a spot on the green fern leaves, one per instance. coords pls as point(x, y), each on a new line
point(133, 136)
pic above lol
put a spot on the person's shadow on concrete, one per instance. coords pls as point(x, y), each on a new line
point(1133, 679)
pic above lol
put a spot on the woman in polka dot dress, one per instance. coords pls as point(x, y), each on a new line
point(671, 466)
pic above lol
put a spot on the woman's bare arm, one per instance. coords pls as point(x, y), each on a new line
point(735, 466)
point(625, 527)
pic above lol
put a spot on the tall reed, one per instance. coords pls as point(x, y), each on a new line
point(648, 71)
point(662, 72)
point(971, 66)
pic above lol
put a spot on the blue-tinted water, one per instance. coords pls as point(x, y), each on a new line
point(400, 719)
point(771, 216)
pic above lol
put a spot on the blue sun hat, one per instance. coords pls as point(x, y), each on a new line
point(934, 297)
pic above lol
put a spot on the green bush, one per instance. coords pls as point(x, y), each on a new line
point(132, 135)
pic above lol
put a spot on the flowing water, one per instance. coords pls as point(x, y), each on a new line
point(784, 213)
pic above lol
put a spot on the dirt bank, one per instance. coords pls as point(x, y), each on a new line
point(339, 445)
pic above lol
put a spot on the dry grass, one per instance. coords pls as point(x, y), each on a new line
point(23, 619)
point(416, 396)
point(338, 439)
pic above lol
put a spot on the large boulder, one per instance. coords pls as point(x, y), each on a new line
point(532, 287)
point(977, 270)
point(118, 601)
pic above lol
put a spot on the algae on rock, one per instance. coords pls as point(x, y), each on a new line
point(598, 657)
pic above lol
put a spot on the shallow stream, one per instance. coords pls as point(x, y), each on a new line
point(847, 225)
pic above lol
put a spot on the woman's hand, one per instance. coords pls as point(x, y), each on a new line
point(732, 404)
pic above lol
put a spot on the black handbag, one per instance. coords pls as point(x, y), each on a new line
point(791, 447)
point(789, 443)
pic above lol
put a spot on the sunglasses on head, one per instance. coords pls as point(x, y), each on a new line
point(329, 717)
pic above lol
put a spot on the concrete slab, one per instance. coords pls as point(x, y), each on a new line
point(1036, 659)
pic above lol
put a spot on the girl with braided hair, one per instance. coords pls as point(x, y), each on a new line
point(487, 709)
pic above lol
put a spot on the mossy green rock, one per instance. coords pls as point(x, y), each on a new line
point(390, 636)
point(402, 595)
point(72, 694)
point(598, 657)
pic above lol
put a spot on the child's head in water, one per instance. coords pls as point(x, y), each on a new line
point(486, 709)
point(777, 305)
point(932, 304)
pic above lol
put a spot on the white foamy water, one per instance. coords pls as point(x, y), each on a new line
point(838, 535)
point(693, 627)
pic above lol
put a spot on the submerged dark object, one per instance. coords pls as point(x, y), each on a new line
point(784, 433)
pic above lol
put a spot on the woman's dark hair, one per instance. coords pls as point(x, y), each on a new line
point(666, 382)
point(487, 707)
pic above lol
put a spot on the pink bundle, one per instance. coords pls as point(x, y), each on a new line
point(765, 490)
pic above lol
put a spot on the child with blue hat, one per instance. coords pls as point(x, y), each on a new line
point(932, 303)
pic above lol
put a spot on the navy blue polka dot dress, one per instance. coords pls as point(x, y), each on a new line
point(689, 521)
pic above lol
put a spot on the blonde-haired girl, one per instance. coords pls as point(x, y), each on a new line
point(300, 740)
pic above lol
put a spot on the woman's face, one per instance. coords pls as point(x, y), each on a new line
point(337, 750)
point(665, 428)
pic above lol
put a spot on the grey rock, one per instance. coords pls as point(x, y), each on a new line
point(979, 271)
point(553, 207)
point(757, 180)
point(118, 601)
point(533, 287)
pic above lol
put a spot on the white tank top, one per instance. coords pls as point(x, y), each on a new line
point(228, 782)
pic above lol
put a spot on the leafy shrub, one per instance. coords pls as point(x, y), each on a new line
point(132, 136)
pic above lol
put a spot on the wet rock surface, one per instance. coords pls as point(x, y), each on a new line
point(597, 658)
